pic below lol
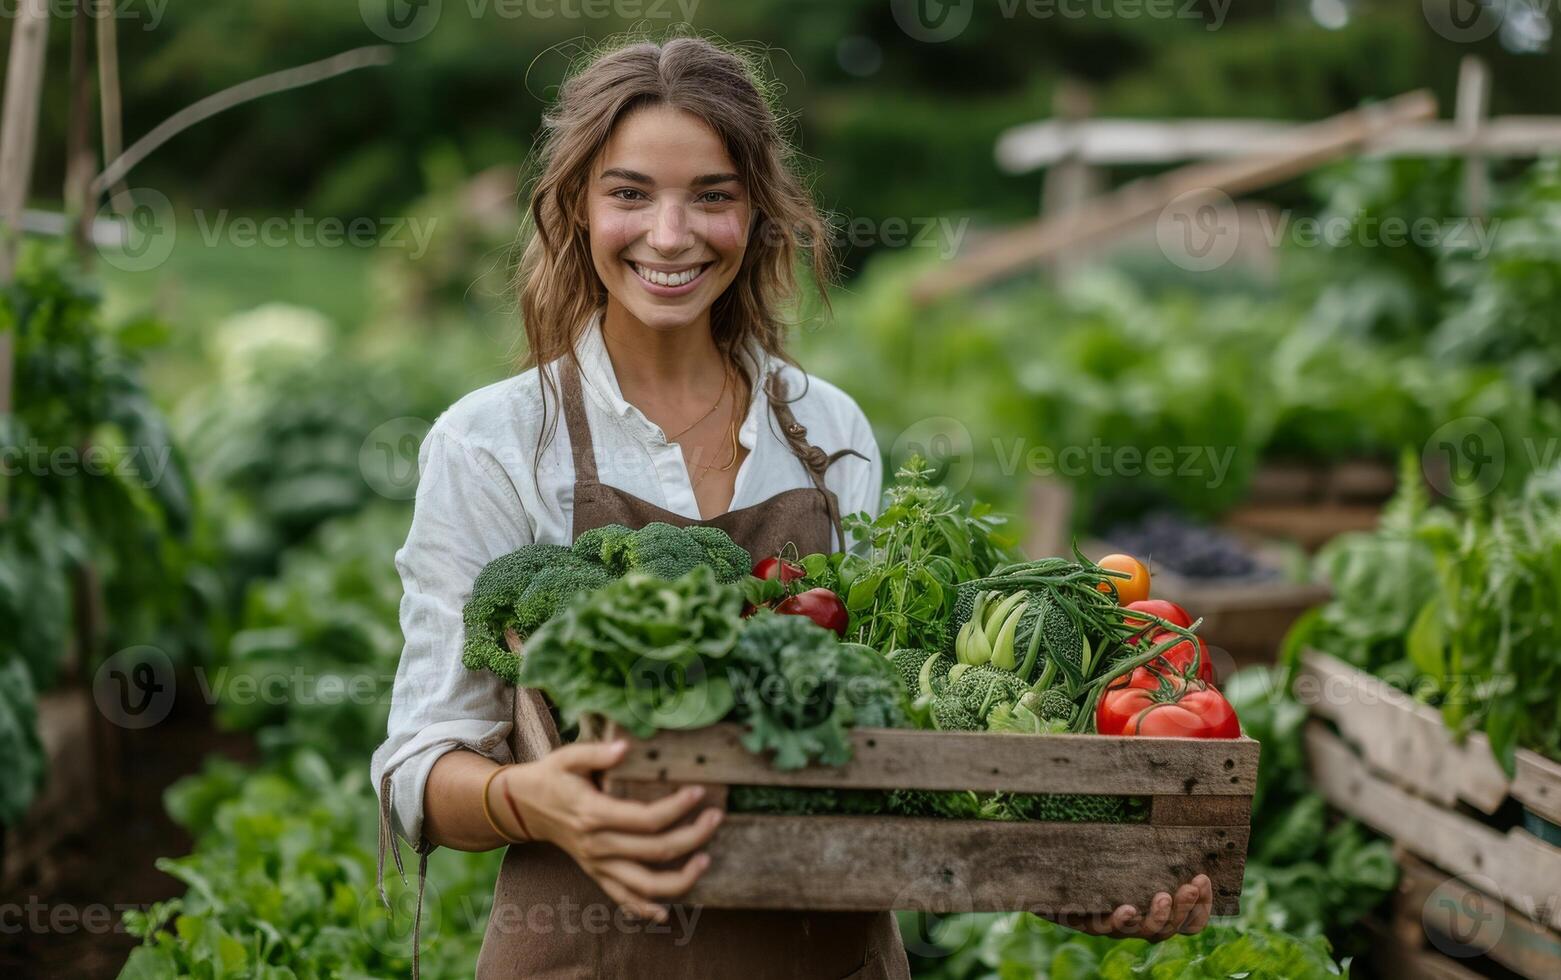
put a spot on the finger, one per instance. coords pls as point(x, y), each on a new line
point(630, 902)
point(1159, 913)
point(1125, 922)
point(1093, 923)
point(1186, 898)
point(658, 884)
point(658, 848)
point(1198, 920)
point(587, 757)
point(605, 812)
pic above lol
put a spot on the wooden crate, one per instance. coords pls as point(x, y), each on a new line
point(1394, 766)
point(1201, 800)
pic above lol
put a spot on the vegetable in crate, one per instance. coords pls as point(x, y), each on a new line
point(799, 689)
point(525, 588)
point(1174, 707)
point(646, 653)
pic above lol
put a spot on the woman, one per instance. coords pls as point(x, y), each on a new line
point(666, 225)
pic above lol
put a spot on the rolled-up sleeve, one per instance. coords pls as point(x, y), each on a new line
point(467, 513)
point(861, 488)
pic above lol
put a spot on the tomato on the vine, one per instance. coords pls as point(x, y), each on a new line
point(1175, 707)
point(1134, 588)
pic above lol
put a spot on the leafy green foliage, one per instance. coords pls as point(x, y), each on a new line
point(800, 690)
point(646, 653)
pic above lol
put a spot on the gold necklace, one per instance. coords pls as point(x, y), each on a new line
point(725, 380)
point(706, 470)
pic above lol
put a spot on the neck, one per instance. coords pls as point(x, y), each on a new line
point(679, 362)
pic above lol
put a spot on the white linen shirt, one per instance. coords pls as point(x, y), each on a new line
point(481, 495)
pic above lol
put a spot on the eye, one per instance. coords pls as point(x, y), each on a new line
point(716, 197)
point(628, 190)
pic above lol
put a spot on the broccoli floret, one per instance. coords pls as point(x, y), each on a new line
point(604, 546)
point(520, 591)
point(664, 551)
point(729, 559)
point(949, 714)
point(1053, 704)
point(982, 687)
point(907, 661)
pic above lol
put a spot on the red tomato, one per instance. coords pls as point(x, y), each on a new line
point(775, 567)
point(1163, 608)
point(1180, 657)
point(820, 605)
point(1176, 708)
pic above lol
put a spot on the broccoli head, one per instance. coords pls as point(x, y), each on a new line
point(520, 591)
point(1054, 704)
point(664, 551)
point(604, 546)
point(729, 559)
point(982, 687)
point(907, 661)
point(949, 714)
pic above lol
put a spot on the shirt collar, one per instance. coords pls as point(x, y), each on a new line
point(601, 383)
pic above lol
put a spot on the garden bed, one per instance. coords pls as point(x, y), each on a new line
point(1393, 765)
point(1200, 795)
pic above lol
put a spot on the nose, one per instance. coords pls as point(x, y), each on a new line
point(671, 230)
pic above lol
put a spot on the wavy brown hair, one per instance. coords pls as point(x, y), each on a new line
point(557, 284)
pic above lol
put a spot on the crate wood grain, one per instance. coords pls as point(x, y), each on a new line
point(1522, 870)
point(1456, 908)
point(1407, 742)
point(1200, 790)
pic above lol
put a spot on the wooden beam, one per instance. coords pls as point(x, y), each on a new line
point(1317, 144)
point(80, 161)
point(18, 137)
point(1473, 105)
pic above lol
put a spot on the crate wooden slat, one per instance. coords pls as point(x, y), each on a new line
point(1407, 741)
point(1525, 871)
point(1477, 922)
point(1200, 791)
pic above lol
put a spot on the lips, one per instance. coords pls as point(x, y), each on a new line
point(670, 282)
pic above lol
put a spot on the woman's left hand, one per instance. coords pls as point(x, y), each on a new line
point(1188, 912)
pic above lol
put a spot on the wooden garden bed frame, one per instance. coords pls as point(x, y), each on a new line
point(1198, 821)
point(1394, 766)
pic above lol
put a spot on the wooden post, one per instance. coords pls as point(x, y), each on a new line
point(18, 134)
point(1473, 105)
point(1072, 180)
point(80, 162)
point(109, 103)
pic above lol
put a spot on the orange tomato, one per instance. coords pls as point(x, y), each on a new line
point(1133, 589)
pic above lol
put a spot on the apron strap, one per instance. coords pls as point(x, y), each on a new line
point(814, 459)
point(580, 445)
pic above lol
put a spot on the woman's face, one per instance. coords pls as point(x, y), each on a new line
point(668, 217)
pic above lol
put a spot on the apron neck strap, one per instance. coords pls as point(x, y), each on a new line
point(580, 445)
point(814, 460)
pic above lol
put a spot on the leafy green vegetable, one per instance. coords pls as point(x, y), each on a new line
point(646, 653)
point(800, 690)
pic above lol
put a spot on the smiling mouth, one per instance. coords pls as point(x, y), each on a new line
point(670, 280)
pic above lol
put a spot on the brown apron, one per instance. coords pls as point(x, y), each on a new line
point(551, 921)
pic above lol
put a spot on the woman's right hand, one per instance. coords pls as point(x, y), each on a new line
point(613, 840)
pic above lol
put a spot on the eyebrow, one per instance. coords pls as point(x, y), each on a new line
point(635, 177)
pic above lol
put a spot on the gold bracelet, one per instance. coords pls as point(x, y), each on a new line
point(489, 814)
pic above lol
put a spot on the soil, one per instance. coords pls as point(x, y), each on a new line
point(70, 926)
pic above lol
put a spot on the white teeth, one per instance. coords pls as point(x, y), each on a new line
point(667, 278)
